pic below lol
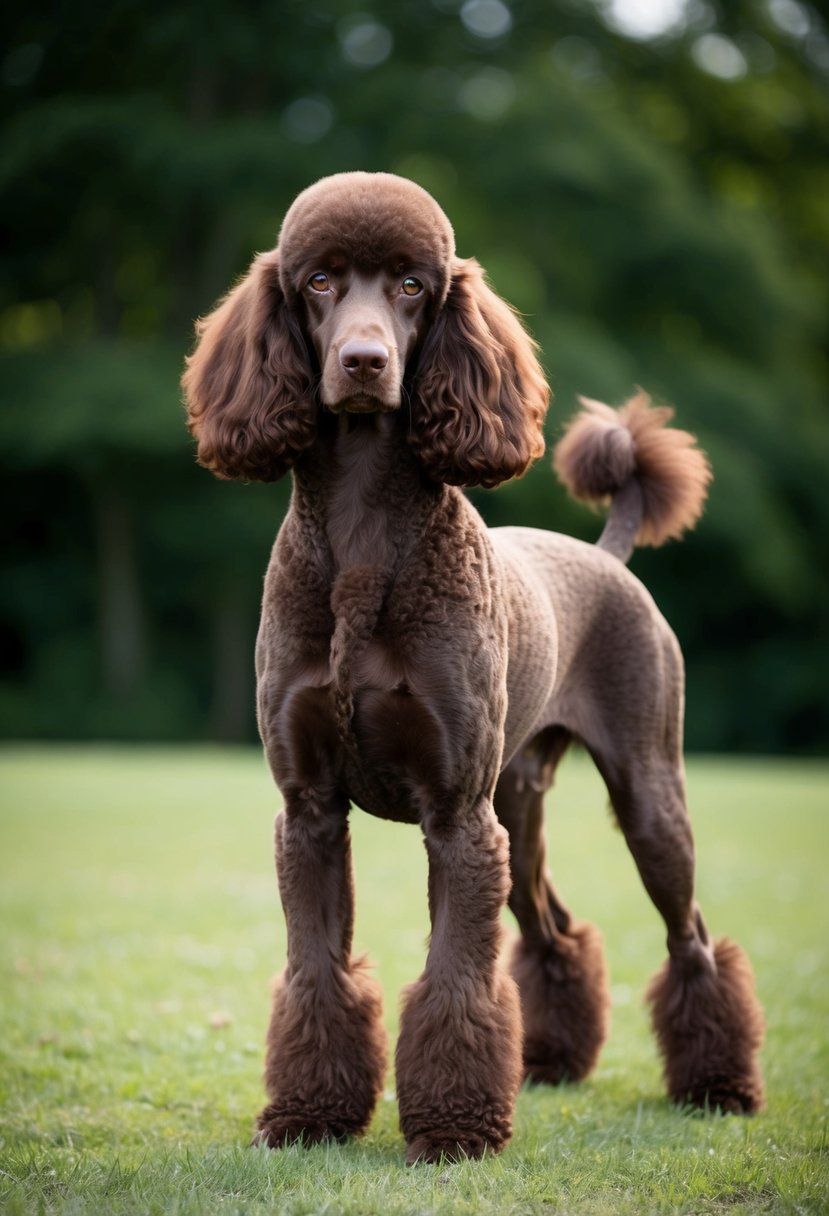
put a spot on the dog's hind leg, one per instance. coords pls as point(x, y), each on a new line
point(558, 963)
point(705, 1014)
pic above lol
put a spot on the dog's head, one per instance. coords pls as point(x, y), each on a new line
point(363, 305)
point(365, 258)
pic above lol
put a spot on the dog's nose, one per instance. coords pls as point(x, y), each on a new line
point(364, 360)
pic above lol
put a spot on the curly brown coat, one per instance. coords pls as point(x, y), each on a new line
point(431, 671)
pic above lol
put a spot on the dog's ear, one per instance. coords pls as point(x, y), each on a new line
point(480, 394)
point(249, 383)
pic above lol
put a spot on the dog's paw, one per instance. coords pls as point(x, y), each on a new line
point(726, 1095)
point(431, 1147)
point(565, 1001)
point(709, 1027)
point(277, 1128)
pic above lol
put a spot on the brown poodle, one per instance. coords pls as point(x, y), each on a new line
point(434, 672)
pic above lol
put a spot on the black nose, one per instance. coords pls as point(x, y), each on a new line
point(364, 360)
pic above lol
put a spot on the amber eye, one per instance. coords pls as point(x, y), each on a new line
point(411, 286)
point(319, 282)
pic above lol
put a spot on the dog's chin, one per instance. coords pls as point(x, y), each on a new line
point(361, 403)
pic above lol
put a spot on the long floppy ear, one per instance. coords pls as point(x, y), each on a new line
point(249, 384)
point(480, 395)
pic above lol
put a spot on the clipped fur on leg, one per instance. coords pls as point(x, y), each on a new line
point(657, 476)
point(459, 1051)
point(709, 1026)
point(326, 1057)
point(458, 1069)
point(565, 1004)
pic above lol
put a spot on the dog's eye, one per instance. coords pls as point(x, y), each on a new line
point(319, 282)
point(411, 286)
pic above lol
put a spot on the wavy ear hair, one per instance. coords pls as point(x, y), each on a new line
point(480, 395)
point(249, 384)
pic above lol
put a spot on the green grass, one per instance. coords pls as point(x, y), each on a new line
point(139, 928)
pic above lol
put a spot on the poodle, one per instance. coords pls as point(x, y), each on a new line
point(432, 671)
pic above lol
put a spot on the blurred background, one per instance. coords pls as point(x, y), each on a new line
point(646, 180)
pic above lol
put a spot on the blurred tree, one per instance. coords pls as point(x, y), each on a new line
point(654, 201)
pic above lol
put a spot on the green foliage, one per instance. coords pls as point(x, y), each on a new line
point(141, 926)
point(657, 222)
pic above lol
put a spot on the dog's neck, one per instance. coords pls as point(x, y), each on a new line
point(362, 492)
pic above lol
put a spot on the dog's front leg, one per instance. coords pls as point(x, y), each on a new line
point(326, 1047)
point(459, 1052)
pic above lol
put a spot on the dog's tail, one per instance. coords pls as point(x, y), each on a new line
point(654, 476)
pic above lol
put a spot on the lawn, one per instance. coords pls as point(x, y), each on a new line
point(141, 926)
